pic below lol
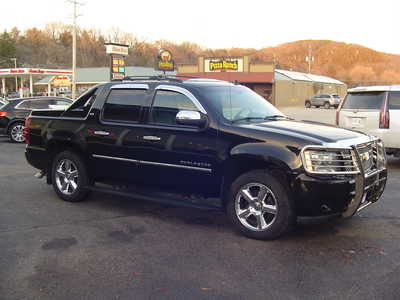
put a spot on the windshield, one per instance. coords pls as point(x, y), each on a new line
point(370, 100)
point(238, 102)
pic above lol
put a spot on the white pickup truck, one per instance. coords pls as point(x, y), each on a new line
point(374, 110)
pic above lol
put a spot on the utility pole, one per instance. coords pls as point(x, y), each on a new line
point(75, 16)
point(309, 59)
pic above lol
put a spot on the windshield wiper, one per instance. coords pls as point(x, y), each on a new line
point(274, 117)
point(248, 119)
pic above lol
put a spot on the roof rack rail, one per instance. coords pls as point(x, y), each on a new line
point(176, 78)
point(154, 77)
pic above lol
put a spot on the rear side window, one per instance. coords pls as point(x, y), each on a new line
point(24, 105)
point(370, 100)
point(80, 108)
point(166, 106)
point(40, 104)
point(124, 105)
point(394, 100)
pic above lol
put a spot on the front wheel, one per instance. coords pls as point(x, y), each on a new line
point(70, 177)
point(327, 105)
point(308, 104)
point(259, 206)
point(16, 133)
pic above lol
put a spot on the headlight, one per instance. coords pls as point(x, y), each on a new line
point(327, 161)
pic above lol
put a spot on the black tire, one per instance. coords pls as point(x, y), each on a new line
point(327, 105)
point(278, 224)
point(14, 132)
point(82, 180)
point(308, 104)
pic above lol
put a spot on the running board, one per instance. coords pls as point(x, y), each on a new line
point(152, 198)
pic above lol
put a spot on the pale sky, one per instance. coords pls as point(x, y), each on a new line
point(223, 23)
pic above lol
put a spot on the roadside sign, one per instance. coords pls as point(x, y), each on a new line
point(165, 61)
point(117, 60)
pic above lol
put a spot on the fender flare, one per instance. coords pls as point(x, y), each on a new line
point(286, 157)
point(12, 122)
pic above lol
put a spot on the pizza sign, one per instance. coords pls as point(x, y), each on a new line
point(222, 65)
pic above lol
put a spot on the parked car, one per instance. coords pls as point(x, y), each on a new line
point(205, 143)
point(325, 100)
point(13, 114)
point(3, 102)
point(374, 110)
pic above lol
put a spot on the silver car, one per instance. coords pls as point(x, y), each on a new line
point(325, 100)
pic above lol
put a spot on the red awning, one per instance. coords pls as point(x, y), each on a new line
point(253, 77)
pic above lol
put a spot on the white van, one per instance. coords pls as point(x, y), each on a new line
point(374, 110)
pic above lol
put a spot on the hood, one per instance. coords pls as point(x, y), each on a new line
point(315, 133)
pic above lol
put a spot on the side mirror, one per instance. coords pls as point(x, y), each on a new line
point(190, 118)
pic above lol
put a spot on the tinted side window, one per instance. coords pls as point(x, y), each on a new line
point(167, 104)
point(394, 100)
point(369, 100)
point(124, 105)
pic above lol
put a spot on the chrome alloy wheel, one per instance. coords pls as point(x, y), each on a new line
point(17, 133)
point(256, 206)
point(67, 177)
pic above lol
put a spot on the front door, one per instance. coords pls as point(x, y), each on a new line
point(178, 157)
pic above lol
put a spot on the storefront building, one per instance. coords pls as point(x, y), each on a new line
point(86, 78)
point(258, 77)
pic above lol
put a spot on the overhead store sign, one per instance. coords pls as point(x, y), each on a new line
point(165, 61)
point(119, 49)
point(223, 65)
point(61, 81)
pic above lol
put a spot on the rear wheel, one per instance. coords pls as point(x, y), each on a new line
point(327, 105)
point(259, 206)
point(70, 177)
point(308, 104)
point(16, 132)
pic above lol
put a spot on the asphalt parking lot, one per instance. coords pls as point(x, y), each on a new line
point(116, 248)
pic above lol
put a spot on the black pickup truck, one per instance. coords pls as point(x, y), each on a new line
point(205, 143)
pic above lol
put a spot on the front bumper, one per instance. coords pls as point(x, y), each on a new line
point(368, 189)
point(341, 194)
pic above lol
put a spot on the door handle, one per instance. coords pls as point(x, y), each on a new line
point(101, 132)
point(151, 138)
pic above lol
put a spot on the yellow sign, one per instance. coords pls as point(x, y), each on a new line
point(61, 81)
point(223, 65)
point(165, 61)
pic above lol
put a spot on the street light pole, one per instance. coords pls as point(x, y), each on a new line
point(16, 78)
point(75, 3)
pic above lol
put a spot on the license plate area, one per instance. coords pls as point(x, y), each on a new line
point(357, 122)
